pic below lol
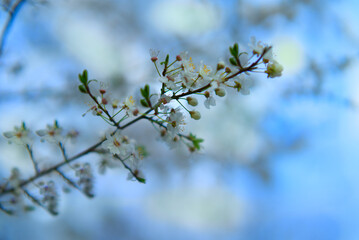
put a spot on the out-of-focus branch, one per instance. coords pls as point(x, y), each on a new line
point(12, 12)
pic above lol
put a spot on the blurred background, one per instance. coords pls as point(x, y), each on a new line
point(281, 163)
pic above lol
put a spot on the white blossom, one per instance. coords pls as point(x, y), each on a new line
point(51, 133)
point(243, 84)
point(274, 69)
point(175, 121)
point(210, 100)
point(49, 196)
point(120, 145)
point(20, 135)
point(84, 173)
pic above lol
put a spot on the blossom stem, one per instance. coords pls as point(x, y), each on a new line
point(141, 180)
point(157, 69)
point(29, 150)
point(182, 105)
point(63, 152)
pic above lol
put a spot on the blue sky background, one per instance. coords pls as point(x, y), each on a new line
point(280, 163)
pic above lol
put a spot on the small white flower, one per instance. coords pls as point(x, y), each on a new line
point(274, 69)
point(20, 135)
point(154, 54)
point(49, 196)
point(243, 84)
point(175, 121)
point(135, 163)
point(84, 173)
point(120, 145)
point(107, 163)
point(268, 56)
point(243, 59)
point(210, 100)
point(51, 133)
point(170, 83)
point(206, 73)
point(257, 47)
point(173, 141)
point(130, 106)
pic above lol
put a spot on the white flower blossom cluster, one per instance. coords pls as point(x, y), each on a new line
point(85, 178)
point(49, 195)
point(183, 84)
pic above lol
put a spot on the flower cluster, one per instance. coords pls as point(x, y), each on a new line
point(184, 84)
point(85, 178)
point(49, 195)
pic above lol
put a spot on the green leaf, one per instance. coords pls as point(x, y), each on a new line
point(233, 61)
point(141, 180)
point(235, 49)
point(82, 89)
point(144, 103)
point(83, 77)
point(196, 141)
point(145, 92)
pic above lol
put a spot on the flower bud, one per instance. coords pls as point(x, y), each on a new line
point(192, 101)
point(228, 70)
point(220, 66)
point(195, 115)
point(104, 101)
point(135, 112)
point(206, 94)
point(178, 58)
point(220, 92)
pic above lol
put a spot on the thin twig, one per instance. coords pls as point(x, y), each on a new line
point(35, 200)
point(141, 180)
point(72, 183)
point(7, 211)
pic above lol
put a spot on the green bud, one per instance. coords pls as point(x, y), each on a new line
point(220, 66)
point(195, 115)
point(192, 101)
point(220, 92)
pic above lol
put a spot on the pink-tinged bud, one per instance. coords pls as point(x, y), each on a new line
point(135, 112)
point(154, 59)
point(178, 58)
point(104, 101)
point(228, 70)
point(102, 91)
